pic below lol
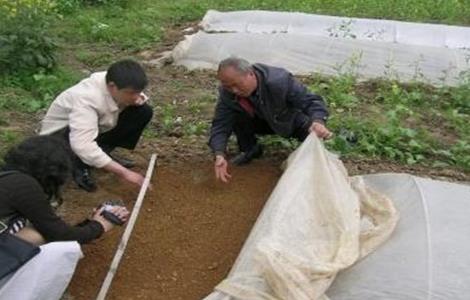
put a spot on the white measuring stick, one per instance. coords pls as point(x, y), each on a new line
point(127, 233)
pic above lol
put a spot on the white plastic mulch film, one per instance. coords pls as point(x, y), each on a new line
point(307, 43)
point(317, 222)
point(427, 256)
point(45, 276)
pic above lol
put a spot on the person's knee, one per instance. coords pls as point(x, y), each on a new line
point(31, 235)
point(242, 120)
point(137, 114)
point(145, 113)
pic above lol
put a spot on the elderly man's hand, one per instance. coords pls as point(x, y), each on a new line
point(320, 130)
point(220, 168)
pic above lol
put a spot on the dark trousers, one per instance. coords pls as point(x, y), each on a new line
point(247, 127)
point(130, 125)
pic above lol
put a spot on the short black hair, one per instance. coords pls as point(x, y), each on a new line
point(45, 158)
point(127, 73)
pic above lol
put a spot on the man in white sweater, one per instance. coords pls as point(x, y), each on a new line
point(102, 112)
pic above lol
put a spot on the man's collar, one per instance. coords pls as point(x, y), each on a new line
point(256, 93)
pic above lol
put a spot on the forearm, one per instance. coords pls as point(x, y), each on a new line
point(218, 144)
point(307, 102)
point(222, 124)
point(53, 228)
point(60, 231)
point(219, 135)
point(115, 168)
point(316, 108)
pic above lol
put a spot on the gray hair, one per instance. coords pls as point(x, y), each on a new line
point(239, 64)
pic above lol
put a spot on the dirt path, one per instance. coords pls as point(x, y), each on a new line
point(187, 237)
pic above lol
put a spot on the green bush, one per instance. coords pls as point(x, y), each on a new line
point(26, 44)
point(67, 6)
point(105, 2)
point(70, 6)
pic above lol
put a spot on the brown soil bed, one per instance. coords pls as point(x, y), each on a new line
point(188, 234)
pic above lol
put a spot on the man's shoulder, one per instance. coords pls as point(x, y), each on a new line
point(94, 84)
point(272, 76)
point(88, 91)
point(269, 68)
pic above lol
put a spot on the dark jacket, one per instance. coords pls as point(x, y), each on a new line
point(282, 102)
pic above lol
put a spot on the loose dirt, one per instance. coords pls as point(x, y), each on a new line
point(188, 234)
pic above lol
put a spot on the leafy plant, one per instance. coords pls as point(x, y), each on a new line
point(71, 6)
point(32, 92)
point(195, 128)
point(67, 6)
point(279, 142)
point(167, 116)
point(25, 41)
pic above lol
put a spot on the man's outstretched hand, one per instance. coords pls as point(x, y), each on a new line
point(220, 168)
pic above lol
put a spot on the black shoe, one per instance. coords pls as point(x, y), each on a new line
point(83, 179)
point(126, 163)
point(245, 157)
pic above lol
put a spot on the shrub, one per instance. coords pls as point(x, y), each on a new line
point(25, 42)
point(70, 6)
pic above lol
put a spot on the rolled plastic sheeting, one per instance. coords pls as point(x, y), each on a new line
point(304, 44)
point(316, 223)
point(45, 276)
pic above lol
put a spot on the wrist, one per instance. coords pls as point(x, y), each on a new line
point(107, 226)
point(99, 225)
point(123, 172)
point(219, 156)
point(318, 121)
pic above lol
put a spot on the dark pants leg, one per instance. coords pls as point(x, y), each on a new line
point(246, 128)
point(129, 128)
point(126, 134)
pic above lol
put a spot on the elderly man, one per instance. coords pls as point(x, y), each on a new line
point(260, 99)
point(102, 112)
